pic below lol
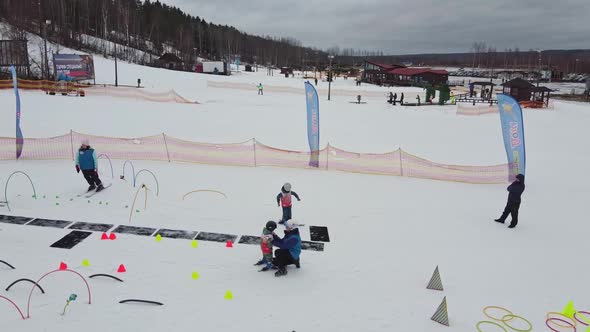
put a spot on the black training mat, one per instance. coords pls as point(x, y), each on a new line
point(313, 246)
point(71, 240)
point(176, 234)
point(14, 220)
point(145, 231)
point(248, 239)
point(49, 223)
point(88, 226)
point(216, 237)
point(319, 233)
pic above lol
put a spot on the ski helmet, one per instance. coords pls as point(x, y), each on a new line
point(287, 186)
point(271, 225)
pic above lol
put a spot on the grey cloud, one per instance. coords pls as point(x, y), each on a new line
point(404, 27)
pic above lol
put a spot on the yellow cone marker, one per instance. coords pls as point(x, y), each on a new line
point(158, 238)
point(194, 244)
point(195, 275)
point(569, 310)
point(228, 295)
point(85, 263)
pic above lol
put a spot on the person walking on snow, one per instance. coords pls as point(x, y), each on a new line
point(515, 190)
point(289, 249)
point(87, 162)
point(284, 200)
point(394, 99)
point(260, 91)
point(401, 99)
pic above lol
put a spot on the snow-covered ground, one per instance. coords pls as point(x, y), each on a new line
point(387, 233)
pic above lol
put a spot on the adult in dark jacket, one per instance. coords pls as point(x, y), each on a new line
point(87, 162)
point(515, 190)
point(401, 99)
point(289, 249)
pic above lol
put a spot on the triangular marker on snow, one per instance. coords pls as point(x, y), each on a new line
point(435, 282)
point(441, 315)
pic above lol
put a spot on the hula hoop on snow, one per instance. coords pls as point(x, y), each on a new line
point(141, 301)
point(14, 305)
point(203, 190)
point(51, 272)
point(105, 275)
point(147, 170)
point(110, 162)
point(517, 317)
point(132, 169)
point(560, 320)
point(491, 323)
point(494, 318)
point(561, 316)
point(7, 264)
point(29, 280)
point(586, 321)
point(8, 181)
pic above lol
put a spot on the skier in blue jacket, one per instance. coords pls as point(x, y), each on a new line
point(289, 249)
point(87, 162)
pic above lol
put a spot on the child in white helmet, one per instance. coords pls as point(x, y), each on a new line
point(284, 200)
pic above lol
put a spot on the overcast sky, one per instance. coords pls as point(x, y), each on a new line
point(406, 26)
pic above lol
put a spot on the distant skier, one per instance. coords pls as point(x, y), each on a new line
point(401, 99)
point(358, 99)
point(260, 89)
point(394, 99)
point(266, 245)
point(316, 81)
point(390, 97)
point(418, 98)
point(284, 200)
point(289, 249)
point(87, 162)
point(515, 191)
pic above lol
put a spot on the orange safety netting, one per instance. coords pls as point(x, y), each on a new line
point(170, 96)
point(251, 153)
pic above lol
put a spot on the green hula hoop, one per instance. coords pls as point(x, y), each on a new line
point(491, 323)
point(485, 312)
point(518, 317)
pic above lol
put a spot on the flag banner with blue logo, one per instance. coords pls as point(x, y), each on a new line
point(19, 134)
point(513, 134)
point(313, 124)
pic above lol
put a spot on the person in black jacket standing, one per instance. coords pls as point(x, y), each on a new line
point(515, 190)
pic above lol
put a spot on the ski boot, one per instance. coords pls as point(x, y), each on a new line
point(281, 272)
point(99, 188)
point(297, 265)
point(260, 262)
point(268, 267)
point(91, 188)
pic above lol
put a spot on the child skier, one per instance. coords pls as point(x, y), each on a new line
point(266, 245)
point(284, 200)
point(87, 162)
point(260, 89)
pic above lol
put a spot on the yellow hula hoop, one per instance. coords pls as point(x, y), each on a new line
point(491, 323)
point(562, 316)
point(204, 190)
point(494, 318)
point(518, 317)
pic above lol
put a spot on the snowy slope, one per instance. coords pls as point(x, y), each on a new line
point(387, 233)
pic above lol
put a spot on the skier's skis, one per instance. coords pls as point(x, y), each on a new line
point(96, 192)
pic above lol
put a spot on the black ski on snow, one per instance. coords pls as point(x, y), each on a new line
point(96, 192)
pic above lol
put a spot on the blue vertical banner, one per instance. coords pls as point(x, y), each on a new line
point(513, 133)
point(313, 124)
point(19, 134)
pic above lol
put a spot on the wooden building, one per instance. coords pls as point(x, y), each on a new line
point(378, 73)
point(419, 76)
point(519, 89)
point(169, 61)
